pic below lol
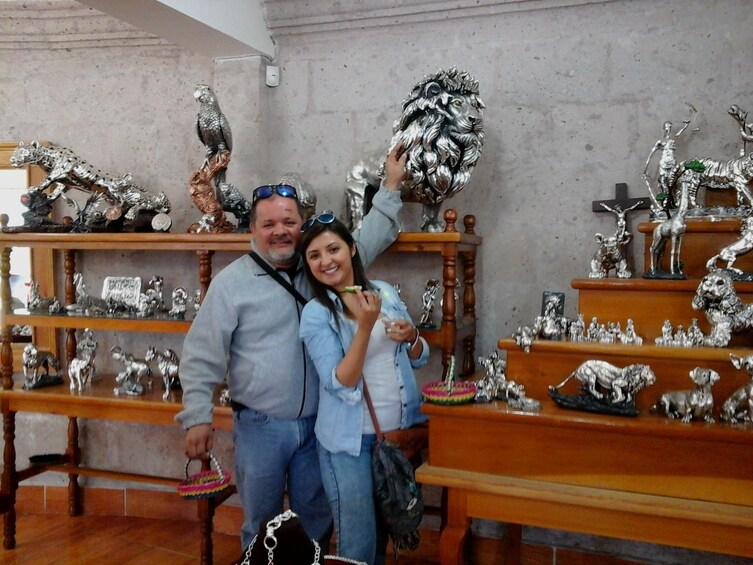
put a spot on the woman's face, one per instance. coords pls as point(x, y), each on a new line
point(329, 258)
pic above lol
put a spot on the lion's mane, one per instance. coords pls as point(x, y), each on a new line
point(441, 127)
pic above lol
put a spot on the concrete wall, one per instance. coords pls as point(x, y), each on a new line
point(576, 95)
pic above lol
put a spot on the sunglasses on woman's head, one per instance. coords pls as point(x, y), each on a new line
point(326, 217)
point(267, 190)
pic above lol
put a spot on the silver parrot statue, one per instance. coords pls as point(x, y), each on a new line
point(212, 127)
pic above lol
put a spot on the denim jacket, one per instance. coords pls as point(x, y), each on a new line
point(341, 409)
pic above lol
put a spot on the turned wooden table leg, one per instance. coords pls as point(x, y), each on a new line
point(206, 517)
point(9, 478)
point(205, 270)
point(449, 328)
point(73, 456)
point(514, 543)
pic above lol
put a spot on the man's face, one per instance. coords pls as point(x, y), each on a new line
point(276, 229)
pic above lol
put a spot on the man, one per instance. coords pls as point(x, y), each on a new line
point(247, 329)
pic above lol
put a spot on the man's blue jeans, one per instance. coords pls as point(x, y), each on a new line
point(349, 485)
point(270, 455)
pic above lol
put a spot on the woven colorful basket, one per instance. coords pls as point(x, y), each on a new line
point(204, 484)
point(436, 392)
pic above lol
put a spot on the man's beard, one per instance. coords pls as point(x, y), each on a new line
point(283, 259)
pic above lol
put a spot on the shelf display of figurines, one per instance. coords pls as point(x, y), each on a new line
point(134, 371)
point(681, 337)
point(695, 404)
point(35, 302)
point(738, 408)
point(494, 385)
point(611, 253)
point(112, 203)
point(81, 369)
point(37, 364)
point(604, 388)
point(167, 364)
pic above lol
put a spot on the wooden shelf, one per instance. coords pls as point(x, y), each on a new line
point(99, 402)
point(645, 477)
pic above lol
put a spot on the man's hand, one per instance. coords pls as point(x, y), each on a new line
point(199, 441)
point(394, 167)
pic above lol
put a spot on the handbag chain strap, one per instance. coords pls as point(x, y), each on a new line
point(372, 412)
point(270, 541)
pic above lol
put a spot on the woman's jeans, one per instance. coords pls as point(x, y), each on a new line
point(271, 455)
point(349, 486)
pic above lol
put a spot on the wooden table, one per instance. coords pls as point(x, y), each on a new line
point(647, 479)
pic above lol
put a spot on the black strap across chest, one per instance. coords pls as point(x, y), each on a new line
point(276, 276)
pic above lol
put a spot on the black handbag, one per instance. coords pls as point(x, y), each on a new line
point(398, 496)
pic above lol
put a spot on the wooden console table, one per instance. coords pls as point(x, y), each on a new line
point(656, 481)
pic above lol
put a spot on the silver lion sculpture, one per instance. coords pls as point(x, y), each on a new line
point(604, 387)
point(441, 128)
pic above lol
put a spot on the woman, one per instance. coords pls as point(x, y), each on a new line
point(355, 330)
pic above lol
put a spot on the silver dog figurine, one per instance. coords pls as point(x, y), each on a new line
point(738, 408)
point(690, 404)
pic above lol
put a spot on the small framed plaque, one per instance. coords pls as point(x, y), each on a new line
point(123, 291)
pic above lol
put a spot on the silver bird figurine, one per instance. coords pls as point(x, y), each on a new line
point(212, 127)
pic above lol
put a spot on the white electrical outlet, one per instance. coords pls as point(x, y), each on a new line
point(273, 75)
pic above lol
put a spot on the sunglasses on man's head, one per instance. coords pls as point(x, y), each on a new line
point(268, 190)
point(326, 217)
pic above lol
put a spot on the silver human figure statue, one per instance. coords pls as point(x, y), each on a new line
point(690, 404)
point(667, 167)
point(746, 129)
point(427, 307)
point(611, 253)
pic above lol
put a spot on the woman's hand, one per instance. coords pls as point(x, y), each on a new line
point(400, 330)
point(365, 308)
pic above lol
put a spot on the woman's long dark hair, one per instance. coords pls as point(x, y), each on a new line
point(320, 289)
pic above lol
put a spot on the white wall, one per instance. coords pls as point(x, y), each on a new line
point(576, 96)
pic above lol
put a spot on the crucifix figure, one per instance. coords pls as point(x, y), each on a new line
point(611, 252)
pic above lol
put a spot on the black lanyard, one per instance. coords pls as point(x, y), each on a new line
point(276, 276)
